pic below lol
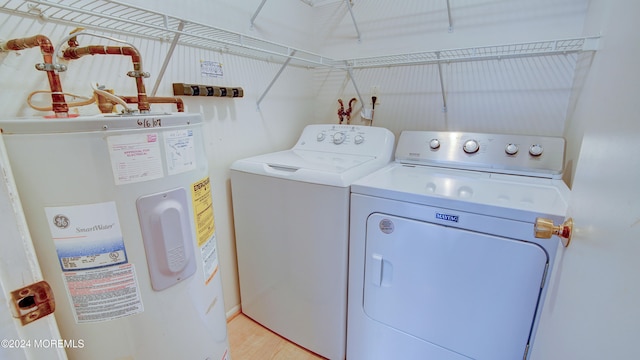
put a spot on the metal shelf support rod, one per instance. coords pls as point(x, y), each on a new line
point(167, 58)
point(255, 14)
point(286, 63)
point(449, 14)
point(355, 24)
point(444, 94)
point(355, 86)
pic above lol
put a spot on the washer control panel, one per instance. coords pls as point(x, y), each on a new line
point(540, 156)
point(347, 139)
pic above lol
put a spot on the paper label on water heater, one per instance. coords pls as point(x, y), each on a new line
point(209, 252)
point(205, 226)
point(180, 151)
point(100, 282)
point(203, 210)
point(86, 236)
point(103, 294)
point(135, 157)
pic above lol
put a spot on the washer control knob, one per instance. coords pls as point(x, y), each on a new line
point(338, 138)
point(320, 136)
point(535, 150)
point(511, 149)
point(358, 139)
point(434, 144)
point(471, 146)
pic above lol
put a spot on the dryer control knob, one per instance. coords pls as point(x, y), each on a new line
point(320, 136)
point(535, 150)
point(434, 144)
point(358, 139)
point(511, 149)
point(338, 138)
point(471, 146)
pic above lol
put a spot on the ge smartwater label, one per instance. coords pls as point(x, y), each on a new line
point(86, 236)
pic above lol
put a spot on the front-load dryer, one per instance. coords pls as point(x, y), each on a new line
point(443, 261)
point(291, 215)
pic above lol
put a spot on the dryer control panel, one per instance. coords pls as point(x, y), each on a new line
point(346, 139)
point(539, 156)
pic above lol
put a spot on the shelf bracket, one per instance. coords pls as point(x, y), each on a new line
point(355, 86)
point(449, 15)
point(255, 14)
point(167, 58)
point(444, 94)
point(355, 24)
point(286, 63)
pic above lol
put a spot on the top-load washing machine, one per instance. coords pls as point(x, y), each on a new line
point(443, 262)
point(291, 215)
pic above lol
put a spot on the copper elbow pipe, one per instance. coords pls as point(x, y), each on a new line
point(59, 105)
point(157, 100)
point(74, 53)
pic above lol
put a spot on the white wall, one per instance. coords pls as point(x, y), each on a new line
point(392, 27)
point(526, 95)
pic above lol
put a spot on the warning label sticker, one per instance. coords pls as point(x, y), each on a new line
point(210, 259)
point(205, 226)
point(103, 294)
point(203, 210)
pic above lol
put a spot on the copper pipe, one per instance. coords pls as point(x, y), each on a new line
point(58, 102)
point(74, 53)
point(156, 100)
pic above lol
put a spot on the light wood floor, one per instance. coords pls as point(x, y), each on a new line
point(249, 340)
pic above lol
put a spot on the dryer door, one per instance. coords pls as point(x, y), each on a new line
point(471, 293)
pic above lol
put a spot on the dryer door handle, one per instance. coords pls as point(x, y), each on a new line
point(380, 271)
point(376, 269)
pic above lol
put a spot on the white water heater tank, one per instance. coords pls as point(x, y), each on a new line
point(121, 216)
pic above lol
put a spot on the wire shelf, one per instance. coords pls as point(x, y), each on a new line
point(115, 17)
point(496, 52)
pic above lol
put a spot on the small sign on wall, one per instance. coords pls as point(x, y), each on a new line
point(210, 68)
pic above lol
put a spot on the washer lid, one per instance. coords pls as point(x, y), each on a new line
point(508, 196)
point(326, 154)
point(311, 166)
